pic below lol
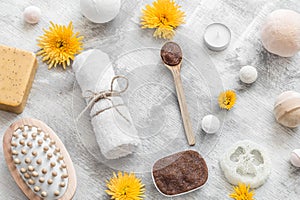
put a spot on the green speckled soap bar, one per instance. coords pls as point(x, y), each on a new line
point(17, 71)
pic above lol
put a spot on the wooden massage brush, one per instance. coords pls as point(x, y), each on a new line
point(38, 161)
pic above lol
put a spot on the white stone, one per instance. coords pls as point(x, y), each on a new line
point(32, 14)
point(100, 11)
point(248, 74)
point(210, 124)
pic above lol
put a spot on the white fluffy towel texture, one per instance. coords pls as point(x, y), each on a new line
point(116, 137)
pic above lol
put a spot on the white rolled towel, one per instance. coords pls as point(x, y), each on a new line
point(115, 136)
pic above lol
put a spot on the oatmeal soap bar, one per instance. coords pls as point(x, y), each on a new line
point(17, 71)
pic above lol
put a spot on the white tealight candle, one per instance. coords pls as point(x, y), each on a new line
point(217, 37)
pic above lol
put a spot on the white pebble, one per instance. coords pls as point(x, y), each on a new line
point(248, 74)
point(32, 14)
point(295, 158)
point(210, 124)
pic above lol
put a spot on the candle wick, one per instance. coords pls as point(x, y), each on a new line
point(218, 34)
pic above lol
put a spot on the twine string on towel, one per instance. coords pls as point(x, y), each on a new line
point(94, 97)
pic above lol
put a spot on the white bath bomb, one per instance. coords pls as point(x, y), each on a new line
point(32, 14)
point(210, 124)
point(248, 74)
point(280, 33)
point(246, 162)
point(295, 158)
point(100, 11)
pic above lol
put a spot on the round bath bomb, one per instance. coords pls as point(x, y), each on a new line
point(280, 33)
point(32, 14)
point(210, 124)
point(287, 109)
point(295, 158)
point(248, 74)
point(100, 11)
point(246, 162)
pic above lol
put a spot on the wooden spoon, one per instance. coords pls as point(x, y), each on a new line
point(171, 55)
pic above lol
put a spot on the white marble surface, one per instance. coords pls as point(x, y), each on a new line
point(55, 98)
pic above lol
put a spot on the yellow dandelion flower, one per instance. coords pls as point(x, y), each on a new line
point(125, 187)
point(227, 99)
point(165, 16)
point(242, 192)
point(59, 45)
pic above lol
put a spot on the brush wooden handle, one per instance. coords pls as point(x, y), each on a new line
point(183, 106)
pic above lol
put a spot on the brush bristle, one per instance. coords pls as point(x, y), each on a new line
point(39, 161)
